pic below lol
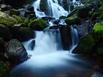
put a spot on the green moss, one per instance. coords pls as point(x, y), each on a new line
point(98, 27)
point(86, 44)
point(19, 19)
point(38, 24)
point(6, 19)
point(72, 20)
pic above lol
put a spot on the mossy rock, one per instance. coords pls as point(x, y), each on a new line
point(98, 27)
point(38, 24)
point(85, 45)
point(6, 19)
point(97, 31)
point(72, 20)
point(19, 19)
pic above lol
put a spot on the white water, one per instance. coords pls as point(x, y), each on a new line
point(37, 10)
point(45, 42)
point(75, 39)
point(55, 9)
point(50, 41)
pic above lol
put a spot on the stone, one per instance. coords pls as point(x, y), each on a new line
point(38, 24)
point(16, 53)
point(22, 33)
point(65, 32)
point(5, 32)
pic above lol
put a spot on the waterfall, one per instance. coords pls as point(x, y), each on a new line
point(55, 9)
point(45, 42)
point(37, 10)
point(75, 38)
point(49, 40)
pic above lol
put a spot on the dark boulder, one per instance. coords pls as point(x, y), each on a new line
point(16, 52)
point(22, 33)
point(65, 32)
point(29, 10)
point(84, 12)
point(5, 32)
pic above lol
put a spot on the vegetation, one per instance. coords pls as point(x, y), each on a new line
point(38, 24)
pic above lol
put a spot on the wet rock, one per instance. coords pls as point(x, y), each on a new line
point(84, 28)
point(27, 11)
point(16, 52)
point(65, 32)
point(32, 44)
point(44, 6)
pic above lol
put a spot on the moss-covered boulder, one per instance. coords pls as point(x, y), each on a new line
point(6, 19)
point(72, 20)
point(85, 45)
point(97, 31)
point(92, 44)
point(38, 24)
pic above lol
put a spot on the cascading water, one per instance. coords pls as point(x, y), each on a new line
point(48, 59)
point(75, 38)
point(45, 40)
point(55, 8)
point(37, 10)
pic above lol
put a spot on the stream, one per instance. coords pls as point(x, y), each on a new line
point(48, 59)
